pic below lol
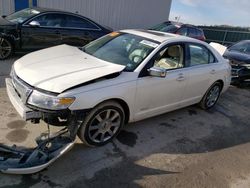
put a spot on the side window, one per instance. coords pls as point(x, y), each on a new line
point(193, 32)
point(77, 22)
point(182, 31)
point(199, 33)
point(200, 55)
point(50, 20)
point(172, 57)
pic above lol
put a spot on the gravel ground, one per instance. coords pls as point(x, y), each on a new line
point(185, 148)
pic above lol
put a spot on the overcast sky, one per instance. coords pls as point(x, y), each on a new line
point(212, 12)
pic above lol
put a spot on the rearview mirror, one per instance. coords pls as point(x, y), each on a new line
point(34, 24)
point(157, 72)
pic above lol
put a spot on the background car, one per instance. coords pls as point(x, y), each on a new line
point(181, 29)
point(36, 28)
point(239, 57)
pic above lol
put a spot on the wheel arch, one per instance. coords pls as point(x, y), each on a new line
point(221, 82)
point(12, 39)
point(123, 104)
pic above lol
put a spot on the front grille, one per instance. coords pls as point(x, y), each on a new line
point(22, 89)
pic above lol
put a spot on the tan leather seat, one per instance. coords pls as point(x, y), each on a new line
point(172, 60)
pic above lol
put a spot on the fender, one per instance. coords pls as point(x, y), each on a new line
point(15, 39)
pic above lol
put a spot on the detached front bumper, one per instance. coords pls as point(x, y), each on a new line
point(49, 146)
point(25, 112)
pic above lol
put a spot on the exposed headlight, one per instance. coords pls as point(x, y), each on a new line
point(49, 102)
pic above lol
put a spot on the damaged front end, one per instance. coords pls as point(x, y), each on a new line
point(14, 160)
point(28, 161)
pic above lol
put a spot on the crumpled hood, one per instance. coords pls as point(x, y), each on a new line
point(59, 68)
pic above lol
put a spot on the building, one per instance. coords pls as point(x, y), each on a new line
point(117, 14)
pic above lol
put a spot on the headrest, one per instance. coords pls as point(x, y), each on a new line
point(174, 51)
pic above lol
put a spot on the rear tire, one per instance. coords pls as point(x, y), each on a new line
point(211, 96)
point(6, 48)
point(102, 124)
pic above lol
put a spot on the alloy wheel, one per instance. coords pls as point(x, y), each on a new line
point(104, 125)
point(5, 48)
point(213, 95)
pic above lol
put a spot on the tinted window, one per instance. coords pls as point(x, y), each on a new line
point(50, 20)
point(199, 33)
point(182, 31)
point(171, 57)
point(165, 27)
point(77, 22)
point(193, 32)
point(200, 55)
point(21, 16)
point(169, 29)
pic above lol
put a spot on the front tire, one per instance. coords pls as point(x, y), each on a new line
point(6, 48)
point(211, 96)
point(102, 124)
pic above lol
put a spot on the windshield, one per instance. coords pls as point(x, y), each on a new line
point(165, 27)
point(122, 48)
point(22, 16)
point(243, 47)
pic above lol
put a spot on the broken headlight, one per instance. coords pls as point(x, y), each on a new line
point(49, 102)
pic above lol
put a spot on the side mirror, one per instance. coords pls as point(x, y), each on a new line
point(34, 24)
point(157, 72)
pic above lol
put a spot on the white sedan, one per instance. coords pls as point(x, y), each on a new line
point(122, 77)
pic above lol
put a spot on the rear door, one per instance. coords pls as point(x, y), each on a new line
point(46, 34)
point(79, 31)
point(201, 71)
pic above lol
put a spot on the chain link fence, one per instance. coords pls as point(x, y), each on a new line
point(225, 35)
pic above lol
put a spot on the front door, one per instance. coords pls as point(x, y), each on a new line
point(78, 31)
point(157, 95)
point(46, 34)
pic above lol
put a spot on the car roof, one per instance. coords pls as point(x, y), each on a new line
point(150, 34)
point(159, 36)
point(43, 10)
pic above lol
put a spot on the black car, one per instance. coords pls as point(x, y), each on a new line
point(180, 29)
point(239, 57)
point(36, 28)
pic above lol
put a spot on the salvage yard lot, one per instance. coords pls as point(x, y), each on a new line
point(185, 148)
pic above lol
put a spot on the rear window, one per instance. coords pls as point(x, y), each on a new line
point(166, 27)
point(77, 22)
point(193, 32)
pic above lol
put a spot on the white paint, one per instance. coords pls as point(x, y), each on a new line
point(145, 96)
point(59, 68)
point(220, 48)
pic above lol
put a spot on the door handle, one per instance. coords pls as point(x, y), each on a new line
point(181, 77)
point(212, 71)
